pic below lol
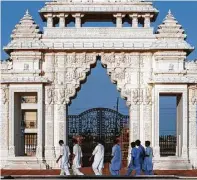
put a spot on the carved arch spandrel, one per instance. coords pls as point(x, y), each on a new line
point(71, 71)
point(122, 68)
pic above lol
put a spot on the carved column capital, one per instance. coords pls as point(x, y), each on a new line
point(64, 15)
point(79, 15)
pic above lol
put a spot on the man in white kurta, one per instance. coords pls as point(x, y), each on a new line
point(64, 156)
point(98, 154)
point(77, 158)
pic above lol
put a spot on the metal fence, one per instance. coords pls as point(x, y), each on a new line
point(102, 123)
point(30, 144)
point(167, 145)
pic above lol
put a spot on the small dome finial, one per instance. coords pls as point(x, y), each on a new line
point(169, 11)
point(27, 12)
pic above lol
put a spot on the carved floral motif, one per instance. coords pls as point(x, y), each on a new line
point(50, 95)
point(147, 96)
point(194, 95)
point(4, 95)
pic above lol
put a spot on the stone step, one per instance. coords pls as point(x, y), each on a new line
point(172, 164)
point(26, 164)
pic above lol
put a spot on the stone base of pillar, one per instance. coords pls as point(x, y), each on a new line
point(57, 151)
point(156, 151)
point(3, 163)
point(171, 163)
point(39, 154)
point(4, 153)
point(11, 151)
point(51, 164)
point(50, 152)
point(3, 157)
point(193, 157)
point(50, 157)
point(184, 152)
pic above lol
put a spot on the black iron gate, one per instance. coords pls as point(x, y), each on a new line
point(30, 144)
point(102, 123)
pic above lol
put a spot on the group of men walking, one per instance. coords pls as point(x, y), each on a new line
point(141, 158)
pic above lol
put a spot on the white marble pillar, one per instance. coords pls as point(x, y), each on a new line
point(49, 124)
point(134, 129)
point(4, 122)
point(185, 124)
point(49, 18)
point(134, 20)
point(11, 150)
point(119, 17)
point(40, 131)
point(147, 116)
point(78, 17)
point(147, 20)
point(60, 125)
point(193, 125)
point(62, 20)
point(134, 126)
point(155, 123)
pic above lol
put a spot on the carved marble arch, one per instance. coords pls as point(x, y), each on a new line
point(78, 66)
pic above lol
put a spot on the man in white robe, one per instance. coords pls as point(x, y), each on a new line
point(64, 156)
point(98, 154)
point(77, 158)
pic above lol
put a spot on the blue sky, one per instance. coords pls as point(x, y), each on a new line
point(98, 91)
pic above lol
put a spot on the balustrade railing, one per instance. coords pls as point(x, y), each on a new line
point(30, 144)
point(167, 145)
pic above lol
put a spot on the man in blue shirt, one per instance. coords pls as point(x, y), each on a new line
point(142, 154)
point(116, 161)
point(148, 163)
point(132, 164)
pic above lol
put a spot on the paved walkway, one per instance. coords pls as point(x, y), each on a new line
point(88, 171)
point(156, 177)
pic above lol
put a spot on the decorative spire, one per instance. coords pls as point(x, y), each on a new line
point(27, 28)
point(26, 34)
point(170, 35)
point(170, 28)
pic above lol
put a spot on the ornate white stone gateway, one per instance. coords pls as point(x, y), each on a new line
point(51, 66)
